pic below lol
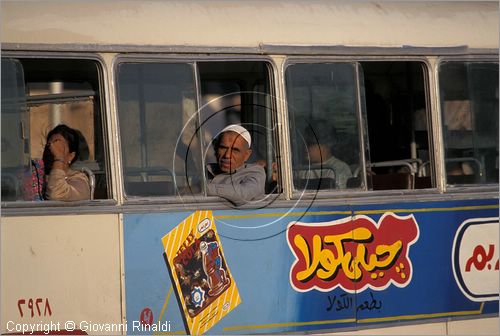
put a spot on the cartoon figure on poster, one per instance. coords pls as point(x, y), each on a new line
point(201, 271)
point(212, 266)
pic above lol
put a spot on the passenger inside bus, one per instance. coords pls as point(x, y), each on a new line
point(231, 177)
point(272, 177)
point(61, 151)
point(321, 142)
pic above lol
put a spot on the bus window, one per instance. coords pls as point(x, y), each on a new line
point(238, 92)
point(61, 91)
point(163, 152)
point(397, 125)
point(469, 109)
point(15, 157)
point(326, 150)
point(155, 102)
point(322, 105)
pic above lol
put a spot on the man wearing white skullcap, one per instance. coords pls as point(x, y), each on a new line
point(231, 177)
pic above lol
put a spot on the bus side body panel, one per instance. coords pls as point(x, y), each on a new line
point(316, 268)
point(255, 23)
point(51, 280)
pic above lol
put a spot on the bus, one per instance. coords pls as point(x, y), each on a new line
point(394, 230)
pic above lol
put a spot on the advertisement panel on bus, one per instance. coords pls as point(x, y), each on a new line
point(323, 267)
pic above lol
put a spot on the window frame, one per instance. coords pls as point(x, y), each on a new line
point(129, 59)
point(426, 63)
point(189, 201)
point(327, 193)
point(51, 206)
point(446, 187)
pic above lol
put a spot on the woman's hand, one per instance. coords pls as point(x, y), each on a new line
point(60, 150)
point(58, 147)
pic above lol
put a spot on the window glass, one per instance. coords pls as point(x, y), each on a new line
point(15, 154)
point(160, 148)
point(58, 91)
point(326, 133)
point(322, 104)
point(469, 107)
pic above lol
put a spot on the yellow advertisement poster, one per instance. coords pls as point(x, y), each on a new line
point(204, 284)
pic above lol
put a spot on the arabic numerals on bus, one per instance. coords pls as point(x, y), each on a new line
point(481, 259)
point(34, 306)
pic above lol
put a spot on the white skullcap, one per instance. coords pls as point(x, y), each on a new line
point(241, 131)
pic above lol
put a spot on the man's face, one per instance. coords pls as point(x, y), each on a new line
point(318, 153)
point(232, 152)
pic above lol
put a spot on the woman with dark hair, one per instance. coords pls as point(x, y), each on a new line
point(61, 150)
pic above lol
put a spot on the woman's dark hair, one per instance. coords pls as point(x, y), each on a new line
point(73, 139)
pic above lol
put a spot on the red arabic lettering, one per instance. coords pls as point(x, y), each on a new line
point(324, 263)
point(354, 254)
point(47, 308)
point(19, 303)
point(480, 259)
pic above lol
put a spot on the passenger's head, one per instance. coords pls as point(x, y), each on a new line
point(69, 140)
point(232, 148)
point(320, 138)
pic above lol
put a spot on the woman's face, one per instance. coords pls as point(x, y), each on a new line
point(59, 147)
point(57, 137)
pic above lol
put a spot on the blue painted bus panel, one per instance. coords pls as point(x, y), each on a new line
point(336, 267)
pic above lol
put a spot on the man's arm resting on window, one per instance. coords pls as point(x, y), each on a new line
point(240, 190)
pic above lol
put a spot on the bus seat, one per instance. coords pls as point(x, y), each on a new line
point(464, 170)
point(314, 177)
point(353, 182)
point(461, 179)
point(152, 188)
point(95, 172)
point(405, 165)
point(422, 169)
point(315, 183)
point(423, 182)
point(91, 177)
point(392, 181)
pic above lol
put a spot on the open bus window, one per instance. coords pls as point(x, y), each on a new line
point(469, 108)
point(54, 91)
point(238, 92)
point(397, 116)
point(322, 104)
